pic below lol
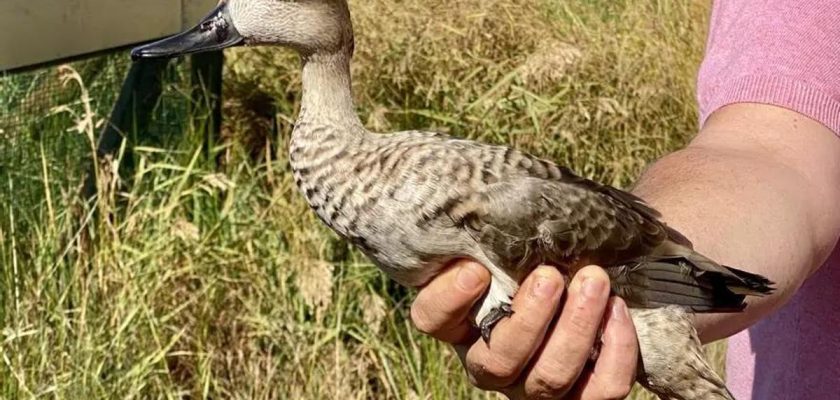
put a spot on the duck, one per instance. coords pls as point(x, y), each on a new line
point(415, 201)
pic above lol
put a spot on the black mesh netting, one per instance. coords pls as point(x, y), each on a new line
point(43, 124)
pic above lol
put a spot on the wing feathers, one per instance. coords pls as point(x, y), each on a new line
point(655, 283)
point(526, 218)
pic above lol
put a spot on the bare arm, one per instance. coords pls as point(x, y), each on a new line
point(757, 189)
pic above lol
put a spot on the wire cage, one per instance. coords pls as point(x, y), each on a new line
point(70, 90)
point(42, 113)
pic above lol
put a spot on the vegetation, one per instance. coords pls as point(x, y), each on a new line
point(192, 280)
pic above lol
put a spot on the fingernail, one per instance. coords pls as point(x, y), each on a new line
point(545, 286)
point(592, 288)
point(619, 312)
point(468, 278)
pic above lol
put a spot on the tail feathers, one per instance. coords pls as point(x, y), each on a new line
point(678, 281)
point(753, 284)
point(737, 281)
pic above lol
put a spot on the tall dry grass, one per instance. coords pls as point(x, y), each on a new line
point(199, 282)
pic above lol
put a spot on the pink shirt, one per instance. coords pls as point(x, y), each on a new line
point(786, 53)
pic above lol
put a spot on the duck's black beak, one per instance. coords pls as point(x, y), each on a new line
point(215, 32)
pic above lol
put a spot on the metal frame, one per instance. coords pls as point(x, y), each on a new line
point(38, 32)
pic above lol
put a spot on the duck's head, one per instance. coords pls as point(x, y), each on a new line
point(308, 26)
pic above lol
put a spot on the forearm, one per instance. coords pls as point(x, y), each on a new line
point(755, 190)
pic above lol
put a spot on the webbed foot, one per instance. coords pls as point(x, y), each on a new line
point(496, 314)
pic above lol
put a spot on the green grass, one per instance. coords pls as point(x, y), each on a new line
point(190, 280)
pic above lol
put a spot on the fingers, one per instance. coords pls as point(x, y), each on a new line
point(569, 344)
point(442, 307)
point(515, 339)
point(615, 370)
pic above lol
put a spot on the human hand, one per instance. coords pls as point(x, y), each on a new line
point(532, 354)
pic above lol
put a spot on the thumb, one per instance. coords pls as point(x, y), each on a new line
point(442, 307)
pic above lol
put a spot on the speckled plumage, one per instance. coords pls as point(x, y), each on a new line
point(415, 201)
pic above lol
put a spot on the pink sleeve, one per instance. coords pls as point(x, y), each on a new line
point(780, 52)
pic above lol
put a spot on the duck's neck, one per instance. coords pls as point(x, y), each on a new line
point(327, 130)
point(327, 95)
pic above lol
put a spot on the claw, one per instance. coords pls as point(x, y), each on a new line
point(496, 314)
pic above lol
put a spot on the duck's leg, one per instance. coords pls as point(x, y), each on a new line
point(495, 305)
point(672, 363)
point(496, 314)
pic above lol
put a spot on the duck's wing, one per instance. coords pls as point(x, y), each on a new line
point(508, 167)
point(574, 222)
point(525, 219)
point(522, 211)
